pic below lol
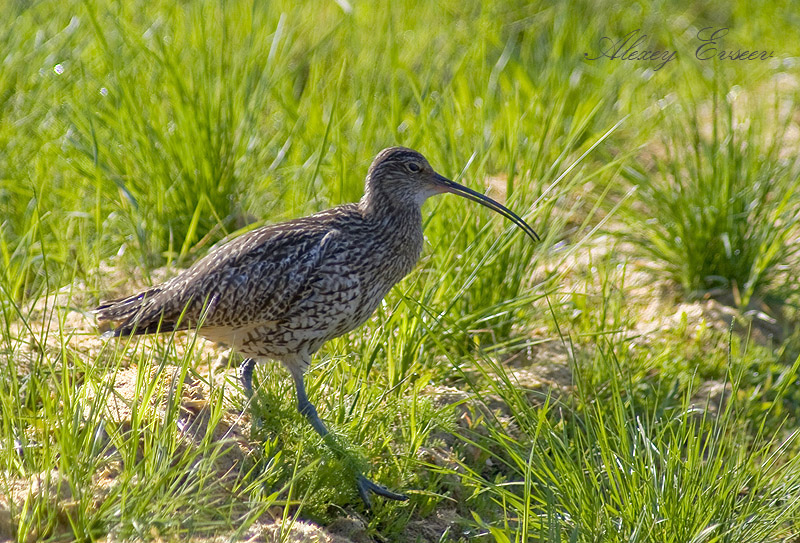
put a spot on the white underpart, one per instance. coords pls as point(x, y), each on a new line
point(427, 192)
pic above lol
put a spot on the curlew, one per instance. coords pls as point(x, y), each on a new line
point(281, 291)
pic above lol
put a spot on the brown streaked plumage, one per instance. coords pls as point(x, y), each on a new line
point(283, 290)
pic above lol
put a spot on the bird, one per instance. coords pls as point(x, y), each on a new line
point(283, 290)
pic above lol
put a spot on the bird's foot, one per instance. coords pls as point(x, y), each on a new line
point(365, 487)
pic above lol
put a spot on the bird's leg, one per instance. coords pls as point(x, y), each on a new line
point(246, 375)
point(246, 379)
point(307, 409)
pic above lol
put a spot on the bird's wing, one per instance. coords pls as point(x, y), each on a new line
point(254, 278)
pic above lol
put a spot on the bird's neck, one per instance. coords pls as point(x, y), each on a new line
point(397, 224)
point(376, 206)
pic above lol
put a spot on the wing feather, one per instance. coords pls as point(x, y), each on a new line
point(254, 278)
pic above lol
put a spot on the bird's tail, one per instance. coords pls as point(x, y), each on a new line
point(125, 312)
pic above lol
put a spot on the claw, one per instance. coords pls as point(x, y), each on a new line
point(365, 486)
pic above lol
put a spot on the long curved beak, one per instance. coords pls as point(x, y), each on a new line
point(451, 186)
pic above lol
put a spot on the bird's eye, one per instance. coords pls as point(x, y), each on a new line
point(413, 167)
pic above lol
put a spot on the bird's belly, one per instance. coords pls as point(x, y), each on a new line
point(313, 321)
point(326, 315)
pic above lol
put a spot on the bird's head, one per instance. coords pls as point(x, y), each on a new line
point(403, 177)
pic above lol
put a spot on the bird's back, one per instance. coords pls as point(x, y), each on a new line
point(264, 265)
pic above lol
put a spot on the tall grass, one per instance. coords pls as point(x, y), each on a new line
point(723, 196)
point(626, 462)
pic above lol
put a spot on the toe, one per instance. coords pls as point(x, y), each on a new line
point(365, 486)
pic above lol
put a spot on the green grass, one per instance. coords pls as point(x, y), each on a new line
point(615, 472)
point(631, 377)
point(724, 199)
